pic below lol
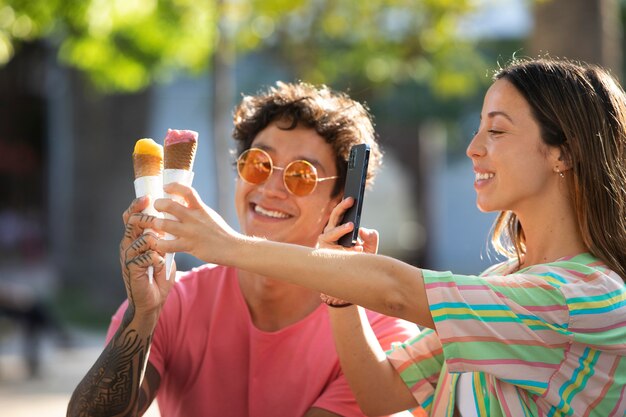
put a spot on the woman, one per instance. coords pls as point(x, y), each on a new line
point(541, 334)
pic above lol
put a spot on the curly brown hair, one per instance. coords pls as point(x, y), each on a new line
point(340, 120)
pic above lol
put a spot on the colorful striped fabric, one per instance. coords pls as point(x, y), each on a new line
point(548, 340)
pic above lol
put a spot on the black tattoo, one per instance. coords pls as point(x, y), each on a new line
point(128, 231)
point(112, 386)
point(141, 240)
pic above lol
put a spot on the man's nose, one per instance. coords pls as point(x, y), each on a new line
point(275, 185)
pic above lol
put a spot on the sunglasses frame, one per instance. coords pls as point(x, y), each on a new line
point(284, 169)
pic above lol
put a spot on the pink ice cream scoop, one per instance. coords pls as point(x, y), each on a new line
point(177, 136)
point(180, 149)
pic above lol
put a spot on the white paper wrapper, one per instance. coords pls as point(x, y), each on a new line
point(152, 186)
point(180, 176)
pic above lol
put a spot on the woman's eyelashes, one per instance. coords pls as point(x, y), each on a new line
point(491, 131)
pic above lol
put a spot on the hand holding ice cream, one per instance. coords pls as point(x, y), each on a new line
point(148, 167)
point(149, 160)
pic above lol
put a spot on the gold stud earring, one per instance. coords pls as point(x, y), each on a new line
point(558, 171)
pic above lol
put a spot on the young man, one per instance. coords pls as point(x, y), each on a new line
point(224, 342)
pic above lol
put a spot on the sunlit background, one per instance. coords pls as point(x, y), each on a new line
point(82, 80)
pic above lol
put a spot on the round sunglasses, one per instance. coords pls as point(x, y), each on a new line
point(255, 166)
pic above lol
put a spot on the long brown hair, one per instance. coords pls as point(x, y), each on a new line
point(580, 109)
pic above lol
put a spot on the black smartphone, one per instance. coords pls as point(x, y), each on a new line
point(355, 188)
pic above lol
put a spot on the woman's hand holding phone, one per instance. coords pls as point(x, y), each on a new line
point(367, 242)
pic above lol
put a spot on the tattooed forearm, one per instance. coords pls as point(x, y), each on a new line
point(112, 385)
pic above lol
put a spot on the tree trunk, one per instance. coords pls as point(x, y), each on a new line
point(587, 30)
point(223, 83)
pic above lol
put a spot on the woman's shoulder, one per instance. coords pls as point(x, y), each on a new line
point(579, 271)
point(580, 267)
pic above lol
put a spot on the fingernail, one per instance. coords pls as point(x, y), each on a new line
point(157, 203)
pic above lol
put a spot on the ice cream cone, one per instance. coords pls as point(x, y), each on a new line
point(180, 151)
point(148, 167)
point(180, 155)
point(147, 158)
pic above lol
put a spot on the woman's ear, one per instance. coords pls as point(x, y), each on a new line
point(560, 159)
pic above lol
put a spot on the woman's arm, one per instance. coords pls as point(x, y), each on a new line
point(376, 282)
point(379, 283)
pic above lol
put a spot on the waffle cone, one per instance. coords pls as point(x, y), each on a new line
point(180, 155)
point(147, 165)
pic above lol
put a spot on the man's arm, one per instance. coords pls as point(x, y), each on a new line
point(113, 386)
point(375, 383)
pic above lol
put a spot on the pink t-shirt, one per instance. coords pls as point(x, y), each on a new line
point(214, 362)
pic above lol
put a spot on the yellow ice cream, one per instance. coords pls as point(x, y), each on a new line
point(147, 158)
point(148, 147)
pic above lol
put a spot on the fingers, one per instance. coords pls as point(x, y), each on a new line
point(140, 245)
point(134, 228)
point(331, 236)
point(190, 200)
point(137, 266)
point(189, 194)
point(144, 260)
point(171, 207)
point(174, 227)
point(171, 246)
point(332, 231)
point(332, 301)
point(136, 206)
point(370, 239)
point(131, 248)
point(338, 212)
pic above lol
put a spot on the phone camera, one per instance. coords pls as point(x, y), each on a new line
point(352, 159)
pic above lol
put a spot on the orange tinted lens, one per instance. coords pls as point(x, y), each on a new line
point(300, 178)
point(254, 166)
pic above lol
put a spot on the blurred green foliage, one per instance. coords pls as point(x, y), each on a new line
point(124, 45)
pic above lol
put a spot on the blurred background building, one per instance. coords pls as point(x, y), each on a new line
point(80, 82)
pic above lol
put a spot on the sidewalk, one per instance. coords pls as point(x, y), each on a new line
point(62, 369)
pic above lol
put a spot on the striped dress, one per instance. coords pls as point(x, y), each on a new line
point(548, 340)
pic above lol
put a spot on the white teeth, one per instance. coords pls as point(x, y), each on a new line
point(270, 213)
point(484, 175)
